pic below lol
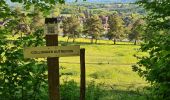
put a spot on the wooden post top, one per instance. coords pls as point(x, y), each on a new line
point(53, 20)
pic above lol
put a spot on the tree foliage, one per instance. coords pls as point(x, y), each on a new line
point(155, 67)
point(22, 79)
point(71, 27)
point(43, 5)
point(136, 31)
point(116, 27)
point(93, 27)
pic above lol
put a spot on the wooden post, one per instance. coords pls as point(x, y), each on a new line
point(52, 62)
point(82, 69)
point(53, 70)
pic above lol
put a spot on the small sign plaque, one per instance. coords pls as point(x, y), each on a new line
point(51, 29)
point(51, 51)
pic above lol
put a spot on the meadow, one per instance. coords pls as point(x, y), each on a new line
point(109, 74)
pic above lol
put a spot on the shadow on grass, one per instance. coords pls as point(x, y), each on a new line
point(70, 91)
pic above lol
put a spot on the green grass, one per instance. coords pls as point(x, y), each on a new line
point(107, 64)
point(109, 74)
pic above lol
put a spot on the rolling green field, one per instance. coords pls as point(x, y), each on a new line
point(109, 74)
point(108, 66)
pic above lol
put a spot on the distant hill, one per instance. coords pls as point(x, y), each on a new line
point(117, 1)
point(105, 1)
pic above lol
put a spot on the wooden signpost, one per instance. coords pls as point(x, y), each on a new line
point(52, 52)
point(53, 70)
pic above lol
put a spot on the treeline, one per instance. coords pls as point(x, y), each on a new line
point(79, 21)
point(111, 7)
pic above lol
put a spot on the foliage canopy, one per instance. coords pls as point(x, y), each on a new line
point(116, 27)
point(22, 78)
point(155, 67)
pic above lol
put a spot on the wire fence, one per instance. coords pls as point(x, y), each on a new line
point(99, 63)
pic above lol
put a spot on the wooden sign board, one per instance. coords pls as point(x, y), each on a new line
point(51, 51)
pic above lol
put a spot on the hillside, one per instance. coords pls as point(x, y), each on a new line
point(105, 1)
point(117, 1)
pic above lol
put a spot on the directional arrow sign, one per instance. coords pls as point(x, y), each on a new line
point(51, 51)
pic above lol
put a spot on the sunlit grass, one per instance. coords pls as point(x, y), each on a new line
point(105, 63)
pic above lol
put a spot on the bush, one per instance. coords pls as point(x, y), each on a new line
point(21, 79)
point(71, 91)
point(155, 67)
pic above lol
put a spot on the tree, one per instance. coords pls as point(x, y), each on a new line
point(71, 26)
point(116, 28)
point(37, 21)
point(20, 21)
point(93, 27)
point(127, 20)
point(6, 12)
point(21, 78)
point(155, 67)
point(55, 11)
point(136, 31)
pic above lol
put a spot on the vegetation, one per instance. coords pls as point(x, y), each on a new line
point(136, 31)
point(109, 75)
point(93, 27)
point(155, 67)
point(110, 79)
point(108, 68)
point(20, 78)
point(116, 28)
point(71, 27)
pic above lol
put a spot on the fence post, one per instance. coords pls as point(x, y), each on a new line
point(82, 76)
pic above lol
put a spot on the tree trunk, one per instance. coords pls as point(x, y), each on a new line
point(114, 41)
point(135, 42)
point(74, 40)
point(96, 41)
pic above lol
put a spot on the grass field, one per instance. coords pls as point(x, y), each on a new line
point(109, 66)
point(109, 74)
